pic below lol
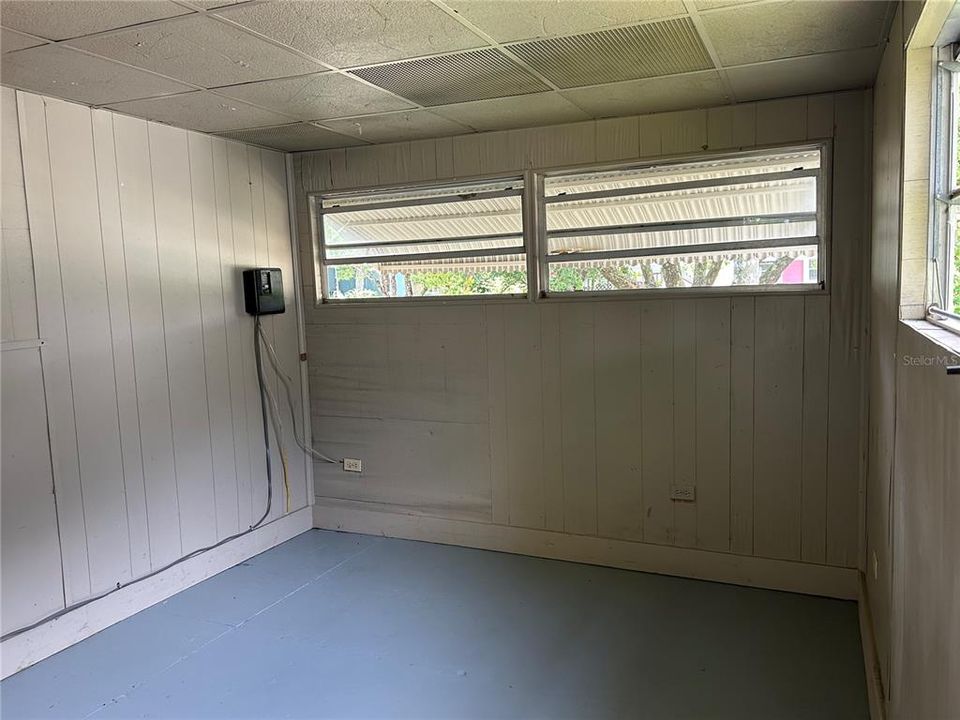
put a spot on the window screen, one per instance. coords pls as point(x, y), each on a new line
point(748, 220)
point(435, 242)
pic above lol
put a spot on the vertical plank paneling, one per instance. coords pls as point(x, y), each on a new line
point(779, 412)
point(31, 579)
point(82, 275)
point(261, 258)
point(846, 326)
point(216, 368)
point(781, 121)
point(182, 321)
point(149, 349)
point(713, 423)
point(552, 425)
point(618, 139)
point(245, 256)
point(741, 424)
point(685, 418)
point(496, 383)
point(55, 356)
point(578, 418)
point(657, 458)
point(816, 354)
point(619, 491)
point(820, 116)
point(284, 326)
point(234, 319)
point(523, 418)
point(121, 334)
point(466, 160)
point(560, 145)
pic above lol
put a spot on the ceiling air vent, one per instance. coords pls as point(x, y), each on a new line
point(445, 79)
point(639, 51)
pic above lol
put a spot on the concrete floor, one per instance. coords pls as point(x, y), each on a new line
point(332, 625)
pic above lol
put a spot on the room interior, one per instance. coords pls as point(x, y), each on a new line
point(480, 358)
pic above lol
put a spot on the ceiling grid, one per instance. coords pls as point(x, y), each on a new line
point(316, 74)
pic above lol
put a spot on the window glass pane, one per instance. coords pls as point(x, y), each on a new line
point(779, 266)
point(505, 275)
point(434, 242)
point(647, 227)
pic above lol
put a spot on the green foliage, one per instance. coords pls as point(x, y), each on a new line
point(468, 282)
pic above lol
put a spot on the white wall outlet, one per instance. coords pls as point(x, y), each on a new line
point(683, 493)
point(352, 465)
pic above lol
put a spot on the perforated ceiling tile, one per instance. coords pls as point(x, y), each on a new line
point(200, 50)
point(292, 138)
point(64, 73)
point(475, 75)
point(508, 21)
point(202, 111)
point(805, 75)
point(752, 33)
point(346, 33)
point(514, 112)
point(636, 97)
point(661, 48)
point(316, 97)
point(11, 41)
point(393, 127)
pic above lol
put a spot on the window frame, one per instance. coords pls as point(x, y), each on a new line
point(824, 197)
point(320, 264)
point(534, 232)
point(945, 197)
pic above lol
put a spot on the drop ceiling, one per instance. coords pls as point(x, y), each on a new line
point(317, 74)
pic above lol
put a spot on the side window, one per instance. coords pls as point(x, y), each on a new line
point(740, 222)
point(427, 242)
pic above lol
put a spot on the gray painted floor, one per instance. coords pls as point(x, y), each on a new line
point(332, 625)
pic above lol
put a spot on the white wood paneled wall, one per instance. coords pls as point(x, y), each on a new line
point(139, 233)
point(29, 547)
point(579, 416)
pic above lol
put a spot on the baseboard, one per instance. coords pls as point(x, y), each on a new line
point(682, 562)
point(871, 661)
point(24, 650)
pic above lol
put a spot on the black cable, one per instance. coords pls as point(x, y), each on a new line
point(266, 512)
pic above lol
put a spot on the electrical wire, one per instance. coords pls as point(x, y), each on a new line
point(287, 381)
point(198, 551)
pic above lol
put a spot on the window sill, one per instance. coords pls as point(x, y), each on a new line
point(946, 339)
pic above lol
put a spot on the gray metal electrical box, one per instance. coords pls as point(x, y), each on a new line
point(263, 291)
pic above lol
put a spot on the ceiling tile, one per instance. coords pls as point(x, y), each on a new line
point(64, 73)
point(661, 48)
point(318, 96)
point(292, 138)
point(753, 33)
point(11, 41)
point(73, 18)
point(393, 127)
point(200, 50)
point(805, 75)
point(201, 110)
point(214, 4)
point(707, 5)
point(345, 33)
point(513, 112)
point(507, 21)
point(637, 97)
point(474, 75)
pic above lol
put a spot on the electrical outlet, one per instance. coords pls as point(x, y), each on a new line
point(352, 465)
point(683, 493)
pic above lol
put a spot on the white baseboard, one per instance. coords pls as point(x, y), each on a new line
point(24, 650)
point(785, 575)
point(871, 662)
